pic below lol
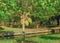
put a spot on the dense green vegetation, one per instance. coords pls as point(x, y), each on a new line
point(39, 13)
point(38, 10)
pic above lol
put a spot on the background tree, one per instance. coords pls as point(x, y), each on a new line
point(40, 10)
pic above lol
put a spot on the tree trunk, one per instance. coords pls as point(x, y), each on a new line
point(36, 24)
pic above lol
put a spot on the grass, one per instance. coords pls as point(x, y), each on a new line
point(14, 30)
point(55, 38)
point(7, 41)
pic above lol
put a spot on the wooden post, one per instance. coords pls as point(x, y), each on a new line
point(23, 26)
point(23, 30)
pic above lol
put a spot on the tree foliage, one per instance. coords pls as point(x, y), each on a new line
point(39, 9)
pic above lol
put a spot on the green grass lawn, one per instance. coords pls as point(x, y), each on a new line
point(13, 30)
point(54, 38)
point(7, 41)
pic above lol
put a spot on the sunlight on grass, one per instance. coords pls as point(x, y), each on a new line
point(7, 41)
point(55, 38)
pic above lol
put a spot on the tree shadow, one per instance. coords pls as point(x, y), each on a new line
point(50, 37)
point(7, 34)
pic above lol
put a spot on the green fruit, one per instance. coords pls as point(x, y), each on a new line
point(26, 23)
point(29, 20)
